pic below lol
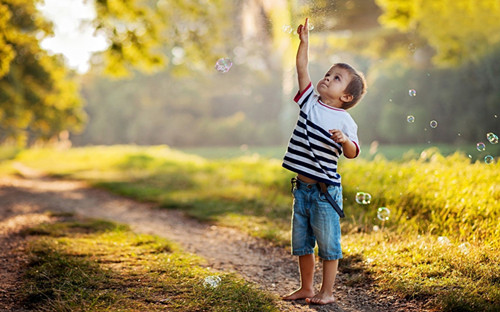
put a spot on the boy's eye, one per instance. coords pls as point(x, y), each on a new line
point(337, 77)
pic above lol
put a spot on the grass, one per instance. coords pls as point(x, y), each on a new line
point(80, 264)
point(440, 243)
point(399, 152)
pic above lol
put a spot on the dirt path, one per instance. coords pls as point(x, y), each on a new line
point(23, 201)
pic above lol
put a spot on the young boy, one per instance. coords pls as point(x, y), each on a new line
point(324, 130)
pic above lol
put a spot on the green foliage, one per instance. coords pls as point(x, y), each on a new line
point(142, 33)
point(465, 102)
point(38, 96)
point(104, 266)
point(458, 30)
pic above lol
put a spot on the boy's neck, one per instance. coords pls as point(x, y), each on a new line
point(332, 103)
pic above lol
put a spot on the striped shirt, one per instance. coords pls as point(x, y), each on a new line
point(310, 151)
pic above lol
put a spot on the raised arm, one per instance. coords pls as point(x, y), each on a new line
point(302, 59)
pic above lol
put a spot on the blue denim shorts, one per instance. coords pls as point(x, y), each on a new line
point(315, 221)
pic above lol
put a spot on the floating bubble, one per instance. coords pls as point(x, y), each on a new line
point(410, 118)
point(480, 146)
point(433, 124)
point(493, 138)
point(412, 92)
point(211, 281)
point(488, 159)
point(443, 240)
point(363, 198)
point(310, 27)
point(223, 65)
point(383, 213)
point(287, 28)
point(464, 247)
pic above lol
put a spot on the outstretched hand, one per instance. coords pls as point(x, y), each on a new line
point(303, 31)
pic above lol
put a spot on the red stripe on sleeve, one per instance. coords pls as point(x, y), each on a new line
point(299, 94)
point(357, 149)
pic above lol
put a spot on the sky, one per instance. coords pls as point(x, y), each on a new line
point(73, 37)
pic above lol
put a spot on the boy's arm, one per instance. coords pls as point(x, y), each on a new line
point(349, 148)
point(303, 56)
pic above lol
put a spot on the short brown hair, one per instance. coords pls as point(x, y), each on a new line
point(356, 87)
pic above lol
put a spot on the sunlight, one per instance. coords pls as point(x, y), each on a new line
point(73, 33)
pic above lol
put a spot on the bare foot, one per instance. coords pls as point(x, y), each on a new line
point(321, 298)
point(299, 294)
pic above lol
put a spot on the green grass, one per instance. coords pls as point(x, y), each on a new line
point(399, 152)
point(93, 265)
point(429, 196)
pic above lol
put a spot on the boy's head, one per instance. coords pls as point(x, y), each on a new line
point(356, 87)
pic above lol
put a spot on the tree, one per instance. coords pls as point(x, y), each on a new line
point(38, 97)
point(458, 30)
point(146, 34)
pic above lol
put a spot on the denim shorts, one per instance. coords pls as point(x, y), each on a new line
point(315, 220)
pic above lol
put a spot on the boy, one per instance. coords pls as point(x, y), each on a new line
point(324, 130)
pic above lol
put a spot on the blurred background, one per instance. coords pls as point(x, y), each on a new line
point(94, 72)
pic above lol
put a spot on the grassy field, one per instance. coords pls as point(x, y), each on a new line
point(80, 264)
point(391, 152)
point(440, 243)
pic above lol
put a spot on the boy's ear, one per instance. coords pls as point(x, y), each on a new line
point(346, 98)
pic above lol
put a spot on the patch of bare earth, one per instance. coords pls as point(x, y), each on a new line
point(273, 269)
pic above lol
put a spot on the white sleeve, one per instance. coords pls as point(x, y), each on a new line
point(351, 131)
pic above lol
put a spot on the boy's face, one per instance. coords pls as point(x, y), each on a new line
point(331, 87)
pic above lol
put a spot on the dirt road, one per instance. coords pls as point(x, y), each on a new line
point(23, 202)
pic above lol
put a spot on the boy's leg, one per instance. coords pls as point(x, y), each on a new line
point(306, 290)
point(325, 294)
point(327, 224)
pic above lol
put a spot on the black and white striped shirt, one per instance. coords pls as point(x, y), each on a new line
point(310, 151)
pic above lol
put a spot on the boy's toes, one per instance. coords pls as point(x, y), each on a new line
point(320, 300)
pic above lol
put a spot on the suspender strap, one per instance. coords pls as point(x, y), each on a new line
point(324, 190)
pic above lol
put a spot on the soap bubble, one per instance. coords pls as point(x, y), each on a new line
point(310, 27)
point(443, 240)
point(480, 146)
point(433, 124)
point(488, 159)
point(363, 198)
point(464, 247)
point(493, 138)
point(383, 213)
point(223, 65)
point(212, 281)
point(287, 28)
point(410, 118)
point(412, 92)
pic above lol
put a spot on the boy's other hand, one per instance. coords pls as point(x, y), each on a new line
point(338, 136)
point(303, 31)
